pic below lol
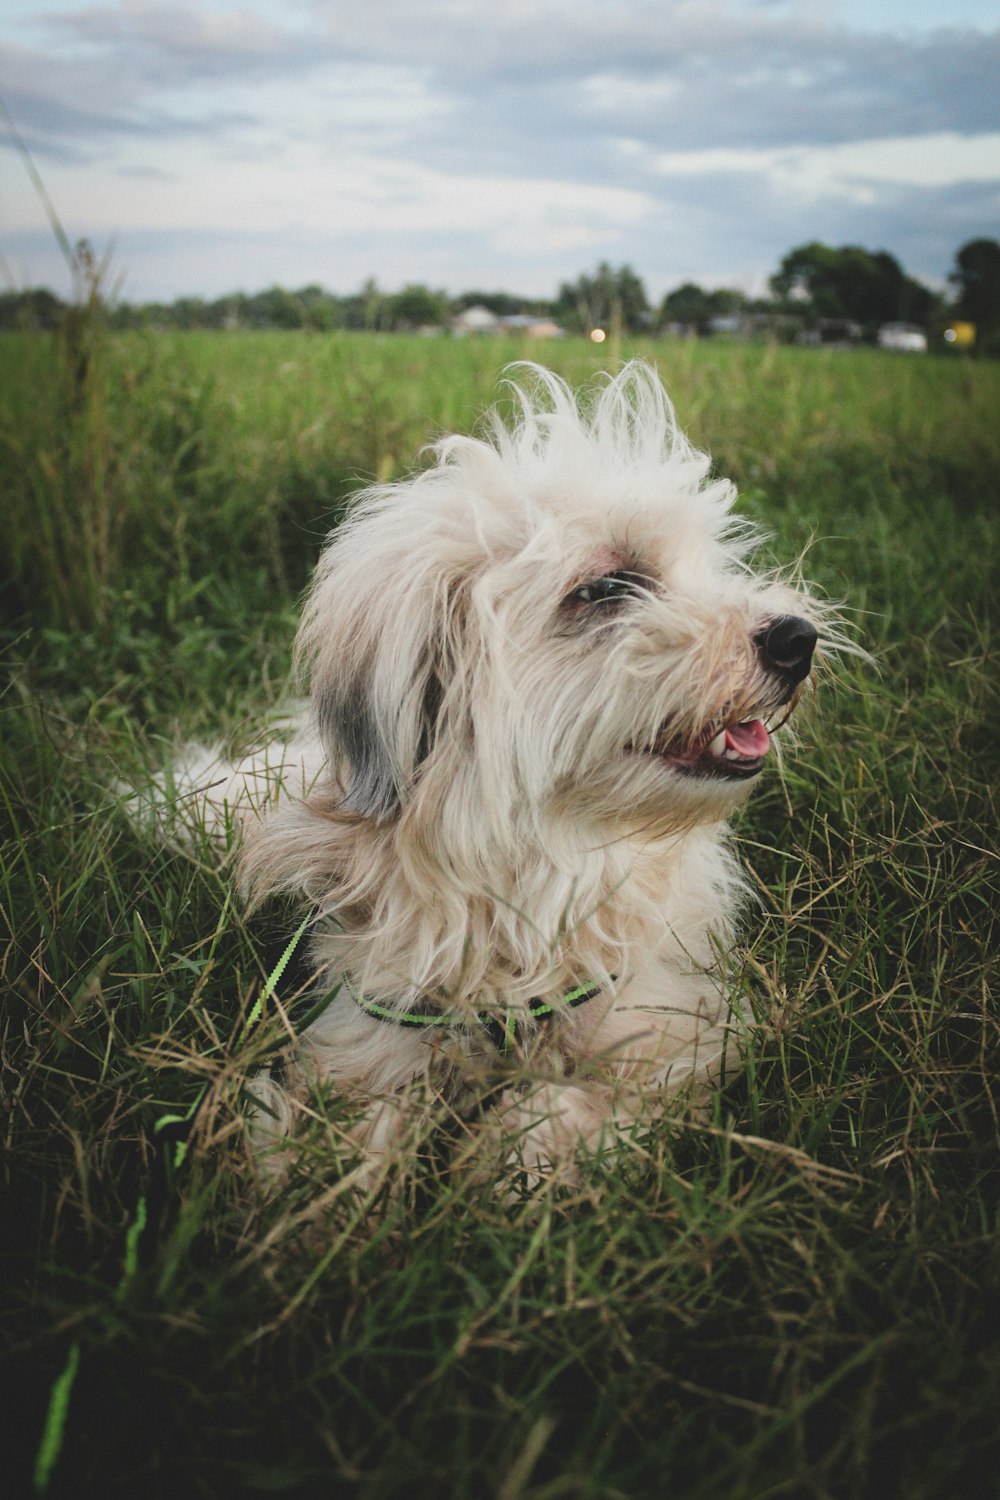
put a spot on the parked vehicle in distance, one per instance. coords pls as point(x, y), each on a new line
point(906, 338)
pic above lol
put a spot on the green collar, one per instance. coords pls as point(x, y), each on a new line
point(502, 1033)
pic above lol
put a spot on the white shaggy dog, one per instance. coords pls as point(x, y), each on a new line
point(542, 675)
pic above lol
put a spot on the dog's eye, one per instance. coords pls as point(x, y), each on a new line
point(613, 588)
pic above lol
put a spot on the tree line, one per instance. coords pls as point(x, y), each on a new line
point(815, 284)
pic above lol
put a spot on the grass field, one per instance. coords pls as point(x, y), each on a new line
point(790, 1299)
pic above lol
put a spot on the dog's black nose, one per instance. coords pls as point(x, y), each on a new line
point(787, 646)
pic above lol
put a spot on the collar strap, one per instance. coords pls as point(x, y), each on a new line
point(501, 1032)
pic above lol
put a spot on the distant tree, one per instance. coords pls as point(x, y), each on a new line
point(189, 312)
point(367, 308)
point(976, 279)
point(312, 295)
point(35, 309)
point(228, 311)
point(607, 299)
point(692, 305)
point(502, 304)
point(144, 315)
point(280, 308)
point(320, 308)
point(685, 304)
point(865, 287)
point(417, 307)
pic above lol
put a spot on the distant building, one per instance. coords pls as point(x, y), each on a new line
point(475, 319)
point(905, 338)
point(534, 328)
point(478, 319)
point(732, 324)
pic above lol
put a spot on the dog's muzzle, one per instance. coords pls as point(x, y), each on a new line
point(786, 648)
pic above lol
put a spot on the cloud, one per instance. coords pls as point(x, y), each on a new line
point(188, 42)
point(530, 139)
point(683, 75)
point(857, 170)
point(734, 230)
point(81, 103)
point(356, 193)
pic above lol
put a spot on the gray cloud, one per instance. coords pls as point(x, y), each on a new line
point(177, 43)
point(63, 105)
point(689, 76)
point(731, 230)
point(591, 93)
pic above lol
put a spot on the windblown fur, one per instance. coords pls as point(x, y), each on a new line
point(541, 676)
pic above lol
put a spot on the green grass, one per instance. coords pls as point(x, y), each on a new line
point(791, 1298)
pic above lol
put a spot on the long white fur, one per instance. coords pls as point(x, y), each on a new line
point(462, 802)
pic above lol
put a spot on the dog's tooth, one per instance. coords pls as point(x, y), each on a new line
point(718, 745)
point(731, 754)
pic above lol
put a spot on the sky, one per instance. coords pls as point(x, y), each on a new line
point(493, 144)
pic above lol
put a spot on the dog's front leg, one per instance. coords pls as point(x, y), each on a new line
point(544, 1128)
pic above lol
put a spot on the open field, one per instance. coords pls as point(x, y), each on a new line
point(789, 1299)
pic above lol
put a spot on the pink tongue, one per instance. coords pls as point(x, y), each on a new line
point(751, 740)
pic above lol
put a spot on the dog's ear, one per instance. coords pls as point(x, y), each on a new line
point(383, 631)
point(379, 638)
point(347, 726)
point(377, 746)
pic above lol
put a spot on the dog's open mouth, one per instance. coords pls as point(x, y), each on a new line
point(734, 752)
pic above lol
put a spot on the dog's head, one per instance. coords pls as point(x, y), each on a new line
point(556, 622)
